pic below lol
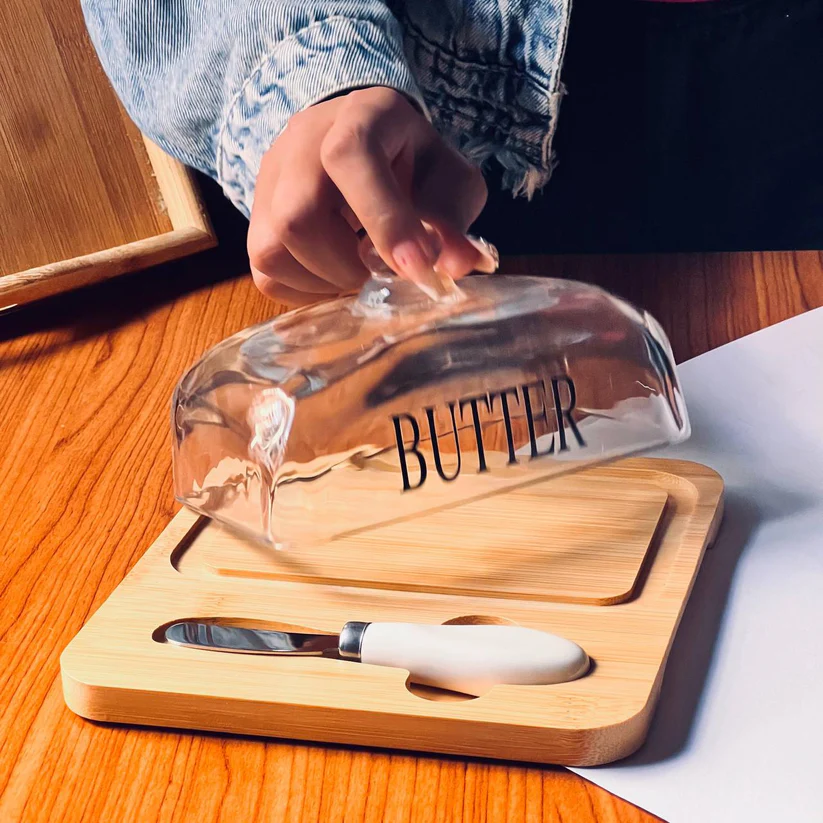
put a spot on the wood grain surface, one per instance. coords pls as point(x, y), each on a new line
point(62, 133)
point(573, 541)
point(115, 670)
point(81, 197)
point(85, 479)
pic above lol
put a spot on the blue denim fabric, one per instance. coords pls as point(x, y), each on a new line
point(213, 82)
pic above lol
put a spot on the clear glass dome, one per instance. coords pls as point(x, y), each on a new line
point(371, 408)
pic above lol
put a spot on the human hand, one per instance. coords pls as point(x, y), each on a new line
point(369, 160)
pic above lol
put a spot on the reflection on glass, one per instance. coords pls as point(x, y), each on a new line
point(362, 410)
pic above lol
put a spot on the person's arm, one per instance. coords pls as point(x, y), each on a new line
point(214, 82)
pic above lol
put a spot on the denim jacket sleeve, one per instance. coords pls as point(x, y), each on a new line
point(213, 82)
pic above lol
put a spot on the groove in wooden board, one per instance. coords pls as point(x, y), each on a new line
point(550, 541)
point(114, 670)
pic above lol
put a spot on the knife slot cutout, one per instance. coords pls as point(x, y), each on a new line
point(437, 695)
point(479, 620)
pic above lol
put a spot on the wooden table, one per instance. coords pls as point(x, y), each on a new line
point(85, 481)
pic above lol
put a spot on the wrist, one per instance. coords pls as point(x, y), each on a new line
point(299, 73)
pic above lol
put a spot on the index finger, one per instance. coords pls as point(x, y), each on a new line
point(360, 168)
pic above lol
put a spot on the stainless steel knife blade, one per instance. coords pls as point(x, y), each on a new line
point(221, 637)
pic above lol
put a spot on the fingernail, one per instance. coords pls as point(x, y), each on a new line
point(439, 286)
point(369, 257)
point(490, 258)
point(412, 260)
point(419, 266)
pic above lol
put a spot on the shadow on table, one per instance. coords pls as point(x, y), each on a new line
point(697, 637)
point(98, 308)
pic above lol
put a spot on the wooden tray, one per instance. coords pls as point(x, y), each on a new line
point(605, 557)
point(82, 196)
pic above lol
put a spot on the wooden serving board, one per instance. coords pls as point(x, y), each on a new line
point(605, 557)
point(82, 196)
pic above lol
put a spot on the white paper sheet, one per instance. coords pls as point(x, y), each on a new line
point(738, 735)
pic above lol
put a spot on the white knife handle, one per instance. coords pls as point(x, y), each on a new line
point(473, 658)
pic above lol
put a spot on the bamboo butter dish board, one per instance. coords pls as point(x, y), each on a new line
point(83, 197)
point(605, 558)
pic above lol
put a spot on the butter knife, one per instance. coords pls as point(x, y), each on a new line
point(462, 658)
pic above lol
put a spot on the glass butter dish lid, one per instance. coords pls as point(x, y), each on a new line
point(370, 408)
